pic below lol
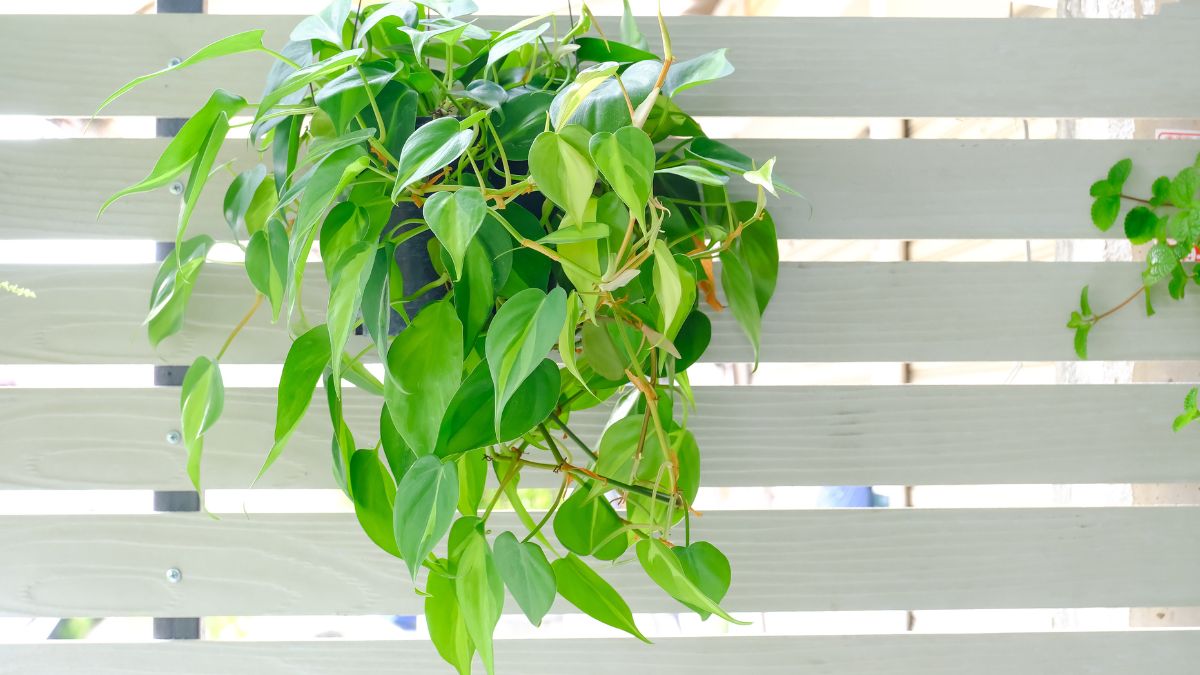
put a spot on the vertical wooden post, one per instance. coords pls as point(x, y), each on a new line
point(174, 628)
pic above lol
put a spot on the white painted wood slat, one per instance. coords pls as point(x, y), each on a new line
point(824, 435)
point(786, 66)
point(827, 312)
point(1173, 652)
point(842, 559)
point(854, 189)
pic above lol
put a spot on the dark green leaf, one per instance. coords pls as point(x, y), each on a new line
point(582, 587)
point(374, 495)
point(425, 502)
point(302, 369)
point(201, 400)
point(428, 149)
point(377, 300)
point(1140, 225)
point(469, 422)
point(606, 109)
point(738, 284)
point(474, 293)
point(521, 335)
point(597, 50)
point(399, 456)
point(693, 339)
point(424, 369)
point(522, 118)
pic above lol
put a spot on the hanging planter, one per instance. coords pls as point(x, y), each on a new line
point(543, 218)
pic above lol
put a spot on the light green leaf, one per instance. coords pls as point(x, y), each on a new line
point(700, 70)
point(403, 10)
point(576, 233)
point(569, 99)
point(183, 149)
point(350, 274)
point(586, 526)
point(707, 568)
point(758, 248)
point(511, 42)
point(454, 218)
point(239, 196)
point(300, 79)
point(249, 41)
point(267, 264)
point(582, 587)
point(698, 174)
point(668, 288)
point(326, 25)
point(738, 284)
point(1105, 211)
point(762, 176)
point(487, 93)
point(527, 574)
point(1160, 262)
point(449, 8)
point(664, 568)
point(630, 34)
point(201, 168)
point(425, 502)
point(562, 173)
point(472, 477)
point(480, 594)
point(606, 109)
point(374, 495)
point(566, 339)
point(302, 369)
point(428, 149)
point(447, 629)
point(1184, 186)
point(201, 400)
point(424, 368)
point(522, 334)
point(173, 287)
point(626, 160)
point(345, 96)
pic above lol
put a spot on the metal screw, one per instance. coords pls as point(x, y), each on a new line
point(175, 60)
point(176, 188)
point(174, 437)
point(174, 575)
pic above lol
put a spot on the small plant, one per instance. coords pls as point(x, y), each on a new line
point(482, 199)
point(1169, 220)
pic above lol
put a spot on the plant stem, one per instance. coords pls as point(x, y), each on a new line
point(558, 457)
point(1128, 300)
point(571, 434)
point(258, 297)
point(549, 512)
point(508, 476)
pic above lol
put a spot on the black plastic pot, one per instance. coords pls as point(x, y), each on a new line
point(416, 268)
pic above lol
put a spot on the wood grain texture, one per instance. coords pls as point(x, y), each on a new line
point(1108, 653)
point(855, 189)
point(789, 66)
point(825, 435)
point(848, 559)
point(827, 312)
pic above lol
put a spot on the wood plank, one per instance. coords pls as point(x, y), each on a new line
point(810, 67)
point(841, 559)
point(825, 435)
point(1106, 653)
point(827, 312)
point(948, 189)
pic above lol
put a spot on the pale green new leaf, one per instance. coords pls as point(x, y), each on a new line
point(511, 42)
point(527, 575)
point(201, 168)
point(762, 176)
point(326, 25)
point(302, 369)
point(562, 173)
point(201, 400)
point(447, 629)
point(582, 587)
point(630, 33)
point(626, 160)
point(576, 233)
point(698, 174)
point(454, 218)
point(480, 594)
point(425, 502)
point(424, 369)
point(567, 101)
point(668, 287)
point(521, 335)
point(665, 569)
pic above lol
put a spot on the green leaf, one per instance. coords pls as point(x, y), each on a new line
point(707, 568)
point(522, 118)
point(350, 275)
point(300, 79)
point(428, 149)
point(267, 264)
point(562, 173)
point(630, 34)
point(738, 284)
point(762, 176)
point(472, 476)
point(626, 160)
point(470, 423)
point(238, 197)
point(201, 400)
point(582, 587)
point(1182, 420)
point(424, 369)
point(512, 41)
point(302, 368)
point(480, 594)
point(692, 340)
point(1104, 211)
point(1161, 191)
point(668, 288)
point(1160, 262)
point(474, 293)
point(326, 25)
point(566, 338)
point(527, 574)
point(598, 50)
point(700, 70)
point(568, 100)
point(345, 96)
point(606, 109)
point(1119, 172)
point(573, 234)
point(201, 168)
point(374, 495)
point(665, 569)
point(1081, 336)
point(698, 174)
point(377, 300)
point(487, 93)
point(602, 353)
point(447, 629)
point(522, 334)
point(173, 287)
point(584, 524)
point(425, 502)
point(1184, 187)
point(399, 456)
point(758, 247)
point(183, 149)
point(1084, 306)
point(403, 10)
point(454, 218)
point(249, 41)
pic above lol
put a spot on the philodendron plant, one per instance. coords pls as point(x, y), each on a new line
point(567, 214)
point(1168, 220)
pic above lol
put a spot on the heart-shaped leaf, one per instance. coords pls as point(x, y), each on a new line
point(326, 25)
point(469, 422)
point(454, 218)
point(520, 338)
point(447, 629)
point(665, 569)
point(704, 68)
point(562, 173)
point(426, 499)
point(480, 593)
point(527, 575)
point(521, 119)
point(267, 263)
point(590, 526)
point(708, 569)
point(567, 101)
point(428, 149)
point(626, 160)
point(173, 286)
point(423, 370)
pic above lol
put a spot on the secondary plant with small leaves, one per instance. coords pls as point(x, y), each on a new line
point(572, 214)
point(1168, 219)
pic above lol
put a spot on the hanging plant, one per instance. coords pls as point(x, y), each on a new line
point(483, 200)
point(1168, 220)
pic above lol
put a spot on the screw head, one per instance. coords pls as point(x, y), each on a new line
point(174, 575)
point(174, 437)
point(175, 60)
point(176, 188)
